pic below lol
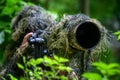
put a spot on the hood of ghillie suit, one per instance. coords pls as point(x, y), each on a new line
point(30, 19)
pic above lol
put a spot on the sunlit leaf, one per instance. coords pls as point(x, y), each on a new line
point(7, 31)
point(113, 65)
point(61, 59)
point(31, 62)
point(64, 68)
point(117, 33)
point(64, 78)
point(12, 77)
point(48, 61)
point(24, 59)
point(56, 57)
point(38, 61)
point(118, 37)
point(20, 66)
point(100, 65)
point(31, 73)
point(113, 72)
point(92, 76)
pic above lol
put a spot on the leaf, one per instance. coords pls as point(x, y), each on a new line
point(117, 33)
point(62, 77)
point(100, 65)
point(7, 31)
point(60, 59)
point(20, 66)
point(48, 61)
point(56, 57)
point(12, 77)
point(7, 11)
point(4, 25)
point(63, 60)
point(64, 68)
point(38, 61)
point(113, 65)
point(113, 72)
point(118, 37)
point(31, 73)
point(31, 62)
point(92, 76)
point(24, 59)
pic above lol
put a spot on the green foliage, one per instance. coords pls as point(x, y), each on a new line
point(92, 76)
point(8, 9)
point(62, 6)
point(12, 77)
point(118, 34)
point(33, 71)
point(99, 10)
point(106, 71)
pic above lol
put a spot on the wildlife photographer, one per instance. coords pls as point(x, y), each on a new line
point(77, 37)
point(30, 19)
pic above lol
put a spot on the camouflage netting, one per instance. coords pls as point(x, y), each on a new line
point(60, 37)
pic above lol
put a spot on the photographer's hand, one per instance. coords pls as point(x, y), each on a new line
point(27, 36)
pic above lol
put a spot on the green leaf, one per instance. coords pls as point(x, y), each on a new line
point(31, 73)
point(92, 76)
point(56, 57)
point(20, 66)
point(38, 61)
point(7, 11)
point(113, 72)
point(60, 59)
point(24, 59)
point(49, 73)
point(31, 62)
point(48, 61)
point(64, 68)
point(118, 37)
point(100, 65)
point(7, 31)
point(117, 33)
point(62, 77)
point(4, 25)
point(63, 60)
point(113, 65)
point(12, 77)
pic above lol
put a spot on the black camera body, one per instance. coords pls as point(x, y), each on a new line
point(39, 44)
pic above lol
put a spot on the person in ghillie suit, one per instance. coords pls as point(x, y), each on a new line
point(76, 37)
point(30, 19)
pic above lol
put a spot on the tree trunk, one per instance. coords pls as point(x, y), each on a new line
point(84, 6)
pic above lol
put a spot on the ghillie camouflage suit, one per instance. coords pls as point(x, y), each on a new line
point(76, 37)
point(28, 20)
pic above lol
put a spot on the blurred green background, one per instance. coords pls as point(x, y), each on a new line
point(106, 11)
